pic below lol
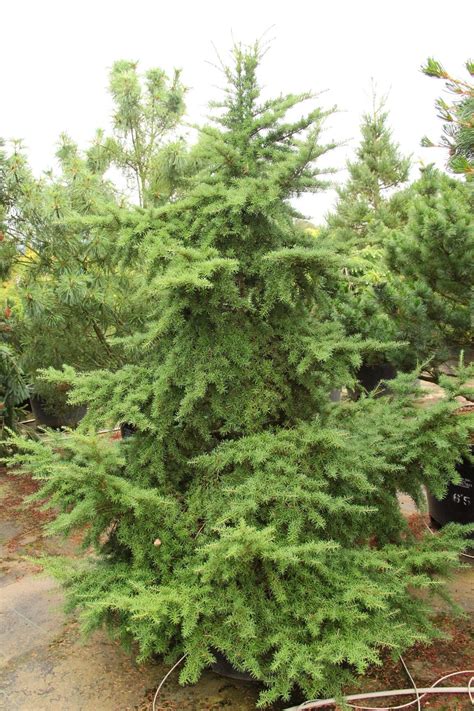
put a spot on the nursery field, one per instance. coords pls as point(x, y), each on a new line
point(47, 665)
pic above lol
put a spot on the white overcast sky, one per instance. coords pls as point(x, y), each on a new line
point(55, 56)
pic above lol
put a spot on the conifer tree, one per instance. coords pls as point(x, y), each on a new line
point(146, 113)
point(379, 169)
point(458, 117)
point(431, 294)
point(368, 207)
point(8, 191)
point(248, 514)
point(73, 235)
point(56, 238)
point(13, 386)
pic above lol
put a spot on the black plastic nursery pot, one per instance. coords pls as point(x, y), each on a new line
point(369, 376)
point(127, 430)
point(458, 504)
point(223, 667)
point(70, 415)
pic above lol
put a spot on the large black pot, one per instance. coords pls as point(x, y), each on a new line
point(127, 430)
point(369, 376)
point(458, 504)
point(70, 416)
point(223, 667)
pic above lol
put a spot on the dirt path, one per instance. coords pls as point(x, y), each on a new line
point(45, 665)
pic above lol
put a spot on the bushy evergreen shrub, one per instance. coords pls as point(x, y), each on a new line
point(249, 514)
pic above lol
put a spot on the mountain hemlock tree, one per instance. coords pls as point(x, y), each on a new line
point(365, 212)
point(249, 514)
point(458, 117)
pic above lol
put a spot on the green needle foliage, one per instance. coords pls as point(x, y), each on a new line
point(368, 208)
point(432, 261)
point(13, 390)
point(249, 514)
point(457, 115)
point(71, 238)
point(378, 170)
point(146, 113)
point(60, 245)
point(13, 386)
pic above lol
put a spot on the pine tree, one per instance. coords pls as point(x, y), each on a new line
point(13, 386)
point(146, 113)
point(458, 117)
point(59, 243)
point(72, 235)
point(248, 514)
point(7, 205)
